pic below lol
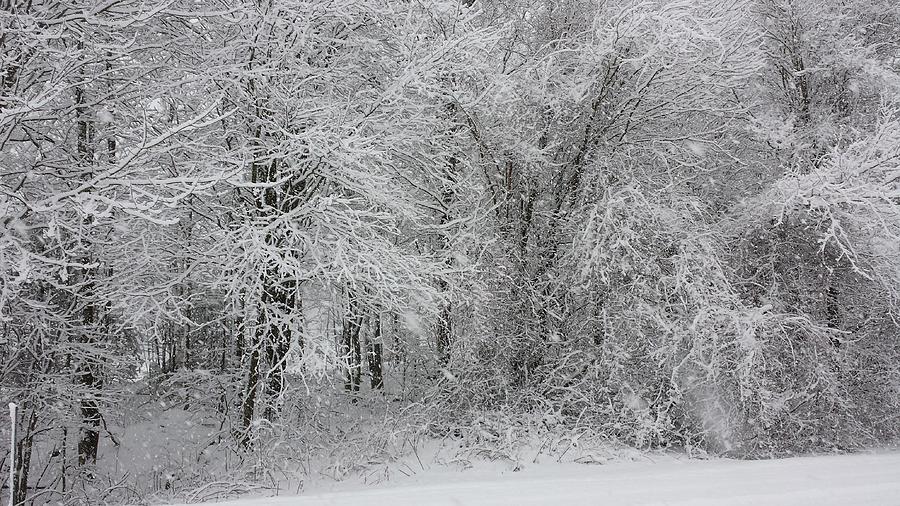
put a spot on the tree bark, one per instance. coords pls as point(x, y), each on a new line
point(24, 448)
point(375, 354)
point(350, 344)
point(249, 402)
point(87, 374)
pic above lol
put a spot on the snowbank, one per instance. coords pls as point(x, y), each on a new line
point(868, 479)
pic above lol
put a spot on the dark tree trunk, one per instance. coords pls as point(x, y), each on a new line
point(23, 460)
point(88, 376)
point(239, 329)
point(350, 344)
point(356, 372)
point(444, 330)
point(87, 373)
point(375, 355)
point(64, 460)
point(282, 299)
point(248, 406)
point(186, 341)
point(832, 311)
point(89, 440)
point(249, 401)
point(277, 346)
point(444, 336)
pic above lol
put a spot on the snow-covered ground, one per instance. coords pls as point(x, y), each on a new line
point(865, 479)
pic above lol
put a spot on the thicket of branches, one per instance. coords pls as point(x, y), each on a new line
point(665, 223)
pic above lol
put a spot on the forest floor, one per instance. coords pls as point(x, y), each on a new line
point(862, 479)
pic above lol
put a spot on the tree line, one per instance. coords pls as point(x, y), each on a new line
point(674, 221)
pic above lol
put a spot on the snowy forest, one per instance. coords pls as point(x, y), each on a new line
point(247, 243)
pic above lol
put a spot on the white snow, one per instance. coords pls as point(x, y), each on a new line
point(105, 117)
point(866, 479)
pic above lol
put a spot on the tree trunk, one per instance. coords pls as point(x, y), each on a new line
point(832, 311)
point(375, 354)
point(277, 340)
point(89, 440)
point(88, 377)
point(277, 346)
point(444, 331)
point(248, 407)
point(23, 461)
point(249, 401)
point(86, 374)
point(350, 344)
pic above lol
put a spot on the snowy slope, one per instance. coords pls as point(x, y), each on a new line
point(870, 479)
